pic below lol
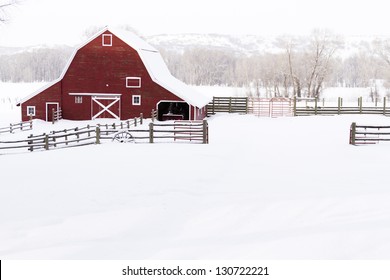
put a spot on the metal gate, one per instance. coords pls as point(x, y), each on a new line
point(271, 107)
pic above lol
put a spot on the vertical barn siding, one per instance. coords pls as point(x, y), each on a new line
point(103, 69)
point(51, 94)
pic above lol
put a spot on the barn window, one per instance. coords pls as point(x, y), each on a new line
point(136, 99)
point(133, 82)
point(31, 111)
point(107, 40)
point(78, 99)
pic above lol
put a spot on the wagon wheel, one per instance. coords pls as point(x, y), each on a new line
point(123, 137)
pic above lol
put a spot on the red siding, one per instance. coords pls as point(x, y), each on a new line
point(50, 95)
point(102, 69)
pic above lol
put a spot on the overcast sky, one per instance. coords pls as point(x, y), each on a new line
point(63, 22)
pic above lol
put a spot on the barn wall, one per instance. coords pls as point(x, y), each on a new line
point(103, 69)
point(51, 94)
point(98, 69)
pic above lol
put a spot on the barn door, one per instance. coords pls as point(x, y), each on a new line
point(49, 110)
point(106, 107)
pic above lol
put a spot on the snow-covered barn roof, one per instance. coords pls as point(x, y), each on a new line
point(154, 64)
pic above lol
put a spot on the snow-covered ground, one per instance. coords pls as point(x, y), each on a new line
point(280, 188)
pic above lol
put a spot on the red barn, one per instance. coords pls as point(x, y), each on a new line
point(115, 74)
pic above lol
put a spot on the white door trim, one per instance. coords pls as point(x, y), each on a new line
point(51, 103)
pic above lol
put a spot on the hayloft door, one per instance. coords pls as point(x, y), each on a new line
point(106, 107)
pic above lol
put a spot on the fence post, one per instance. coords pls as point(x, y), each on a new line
point(315, 106)
point(360, 104)
point(46, 142)
point(89, 131)
point(384, 105)
point(66, 136)
point(151, 133)
point(295, 106)
point(97, 135)
point(141, 118)
point(213, 105)
point(152, 115)
point(10, 127)
point(52, 116)
point(352, 134)
point(205, 132)
point(339, 105)
point(246, 108)
point(31, 142)
point(135, 122)
point(230, 104)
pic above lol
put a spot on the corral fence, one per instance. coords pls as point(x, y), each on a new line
point(314, 107)
point(128, 131)
point(56, 115)
point(228, 105)
point(13, 127)
point(157, 132)
point(278, 106)
point(368, 134)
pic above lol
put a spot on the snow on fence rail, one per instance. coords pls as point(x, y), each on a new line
point(56, 115)
point(368, 134)
point(68, 137)
point(196, 132)
point(187, 131)
point(316, 109)
point(276, 107)
point(228, 105)
point(22, 126)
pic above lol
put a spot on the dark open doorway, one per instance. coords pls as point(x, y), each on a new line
point(171, 110)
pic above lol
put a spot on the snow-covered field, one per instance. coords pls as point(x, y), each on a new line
point(281, 188)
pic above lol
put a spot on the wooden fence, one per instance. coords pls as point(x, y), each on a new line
point(316, 109)
point(69, 137)
point(276, 107)
point(22, 126)
point(184, 131)
point(368, 134)
point(228, 105)
point(195, 131)
point(56, 115)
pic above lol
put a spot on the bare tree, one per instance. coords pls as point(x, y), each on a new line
point(319, 56)
point(4, 5)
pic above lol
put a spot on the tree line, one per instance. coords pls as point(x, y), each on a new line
point(301, 67)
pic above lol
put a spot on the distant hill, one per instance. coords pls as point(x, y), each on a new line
point(245, 44)
point(238, 44)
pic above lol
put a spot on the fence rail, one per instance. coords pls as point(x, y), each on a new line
point(368, 134)
point(228, 105)
point(22, 126)
point(276, 107)
point(177, 131)
point(316, 109)
point(56, 115)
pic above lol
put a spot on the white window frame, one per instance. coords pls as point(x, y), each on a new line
point(33, 109)
point(78, 99)
point(134, 101)
point(103, 40)
point(133, 79)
